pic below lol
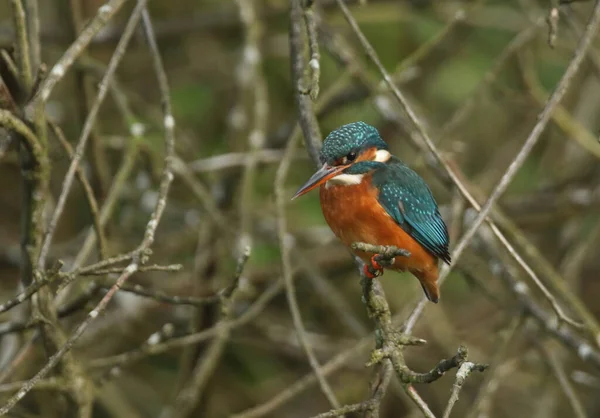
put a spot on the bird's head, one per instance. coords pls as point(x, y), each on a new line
point(348, 152)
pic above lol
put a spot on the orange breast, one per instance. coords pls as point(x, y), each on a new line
point(354, 215)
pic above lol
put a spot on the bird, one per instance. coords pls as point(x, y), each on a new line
point(368, 195)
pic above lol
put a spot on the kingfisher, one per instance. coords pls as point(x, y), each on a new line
point(368, 195)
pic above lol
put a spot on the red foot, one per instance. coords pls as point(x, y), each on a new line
point(375, 264)
point(367, 271)
point(373, 270)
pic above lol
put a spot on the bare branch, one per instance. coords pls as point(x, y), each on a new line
point(563, 380)
point(281, 197)
point(87, 188)
point(233, 159)
point(23, 41)
point(103, 16)
point(135, 355)
point(308, 121)
point(115, 60)
point(189, 396)
point(313, 44)
point(462, 374)
point(419, 402)
point(141, 253)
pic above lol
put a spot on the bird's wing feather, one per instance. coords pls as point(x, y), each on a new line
point(407, 199)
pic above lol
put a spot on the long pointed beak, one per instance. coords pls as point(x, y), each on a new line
point(321, 176)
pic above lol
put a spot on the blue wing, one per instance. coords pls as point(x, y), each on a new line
point(408, 200)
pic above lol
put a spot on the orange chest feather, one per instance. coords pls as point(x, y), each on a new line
point(355, 215)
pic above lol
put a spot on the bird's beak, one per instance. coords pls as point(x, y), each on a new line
point(321, 176)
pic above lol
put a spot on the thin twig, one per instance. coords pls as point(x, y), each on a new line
point(26, 293)
point(24, 55)
point(87, 189)
point(85, 92)
point(553, 19)
point(112, 198)
point(280, 198)
point(462, 374)
point(103, 264)
point(135, 355)
point(254, 97)
point(56, 358)
point(310, 20)
point(91, 118)
point(33, 29)
point(462, 113)
point(501, 365)
point(200, 191)
point(532, 252)
point(306, 381)
point(505, 272)
point(9, 121)
point(418, 401)
point(331, 295)
point(188, 397)
point(233, 159)
point(563, 380)
point(389, 343)
point(52, 383)
point(343, 410)
point(308, 121)
point(117, 270)
point(148, 239)
point(104, 14)
point(163, 297)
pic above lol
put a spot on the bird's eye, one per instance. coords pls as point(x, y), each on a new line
point(351, 157)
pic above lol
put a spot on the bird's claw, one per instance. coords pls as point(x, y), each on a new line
point(375, 264)
point(367, 272)
point(373, 270)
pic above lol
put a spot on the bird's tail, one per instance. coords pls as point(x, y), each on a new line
point(428, 281)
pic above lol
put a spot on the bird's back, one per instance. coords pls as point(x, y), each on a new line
point(409, 201)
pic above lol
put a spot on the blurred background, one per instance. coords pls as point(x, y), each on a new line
point(477, 73)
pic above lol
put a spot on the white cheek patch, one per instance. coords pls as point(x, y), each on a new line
point(345, 180)
point(382, 156)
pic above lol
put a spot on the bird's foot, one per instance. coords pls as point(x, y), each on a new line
point(373, 270)
point(367, 271)
point(375, 264)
